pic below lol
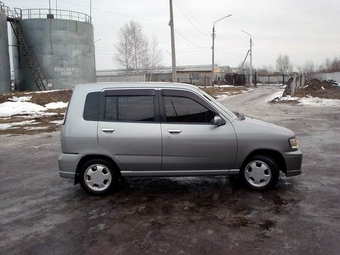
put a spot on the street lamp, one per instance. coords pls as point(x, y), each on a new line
point(250, 56)
point(213, 48)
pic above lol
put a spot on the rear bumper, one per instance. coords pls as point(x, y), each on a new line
point(293, 161)
point(68, 165)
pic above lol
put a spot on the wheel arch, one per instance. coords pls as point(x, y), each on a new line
point(89, 157)
point(275, 155)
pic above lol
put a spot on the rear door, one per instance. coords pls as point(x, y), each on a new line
point(130, 130)
point(190, 139)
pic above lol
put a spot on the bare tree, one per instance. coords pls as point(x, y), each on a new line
point(330, 65)
point(265, 70)
point(133, 51)
point(124, 49)
point(284, 66)
point(335, 64)
point(307, 69)
point(155, 56)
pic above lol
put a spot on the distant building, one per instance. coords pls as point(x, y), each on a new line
point(199, 75)
point(269, 78)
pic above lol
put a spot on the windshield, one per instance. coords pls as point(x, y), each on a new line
point(219, 105)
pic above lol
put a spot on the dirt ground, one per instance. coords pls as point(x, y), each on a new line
point(40, 213)
point(322, 89)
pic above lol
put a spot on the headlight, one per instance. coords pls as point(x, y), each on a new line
point(294, 144)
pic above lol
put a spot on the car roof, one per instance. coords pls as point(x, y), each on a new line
point(132, 85)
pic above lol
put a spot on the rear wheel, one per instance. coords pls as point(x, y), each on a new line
point(260, 173)
point(98, 176)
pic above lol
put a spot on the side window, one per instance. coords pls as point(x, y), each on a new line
point(92, 106)
point(186, 110)
point(129, 108)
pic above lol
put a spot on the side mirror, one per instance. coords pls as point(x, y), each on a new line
point(218, 121)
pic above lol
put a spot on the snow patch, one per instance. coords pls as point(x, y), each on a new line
point(56, 105)
point(13, 108)
point(20, 99)
point(307, 101)
point(14, 125)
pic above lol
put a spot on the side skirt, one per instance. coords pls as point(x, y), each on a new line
point(179, 173)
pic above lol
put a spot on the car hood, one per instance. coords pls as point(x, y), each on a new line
point(255, 126)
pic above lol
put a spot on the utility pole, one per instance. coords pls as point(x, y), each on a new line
point(173, 49)
point(251, 58)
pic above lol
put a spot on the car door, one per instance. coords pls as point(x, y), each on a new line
point(190, 139)
point(130, 130)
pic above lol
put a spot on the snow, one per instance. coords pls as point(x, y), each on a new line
point(307, 101)
point(56, 105)
point(315, 101)
point(20, 99)
point(19, 107)
point(23, 109)
point(17, 124)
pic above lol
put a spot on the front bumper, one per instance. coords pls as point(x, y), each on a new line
point(293, 161)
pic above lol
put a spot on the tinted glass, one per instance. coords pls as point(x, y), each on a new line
point(129, 108)
point(92, 106)
point(182, 109)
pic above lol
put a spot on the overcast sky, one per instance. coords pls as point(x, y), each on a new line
point(305, 30)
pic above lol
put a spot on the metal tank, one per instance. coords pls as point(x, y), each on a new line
point(56, 49)
point(5, 73)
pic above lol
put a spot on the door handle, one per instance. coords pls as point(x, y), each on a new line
point(174, 131)
point(108, 130)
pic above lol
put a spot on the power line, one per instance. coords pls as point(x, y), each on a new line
point(192, 14)
point(114, 13)
point(181, 9)
point(189, 40)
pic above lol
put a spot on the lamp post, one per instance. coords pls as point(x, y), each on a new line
point(213, 48)
point(250, 56)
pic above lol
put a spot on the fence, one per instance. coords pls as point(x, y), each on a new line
point(326, 76)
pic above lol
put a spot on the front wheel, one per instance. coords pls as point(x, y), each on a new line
point(260, 173)
point(98, 176)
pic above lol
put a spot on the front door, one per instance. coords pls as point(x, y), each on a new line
point(190, 139)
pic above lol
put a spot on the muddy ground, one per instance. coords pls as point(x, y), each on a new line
point(41, 213)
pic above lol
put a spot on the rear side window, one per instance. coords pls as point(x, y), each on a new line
point(92, 106)
point(135, 108)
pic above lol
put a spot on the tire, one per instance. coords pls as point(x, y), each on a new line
point(260, 173)
point(98, 176)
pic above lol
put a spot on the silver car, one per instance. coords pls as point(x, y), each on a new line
point(116, 130)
